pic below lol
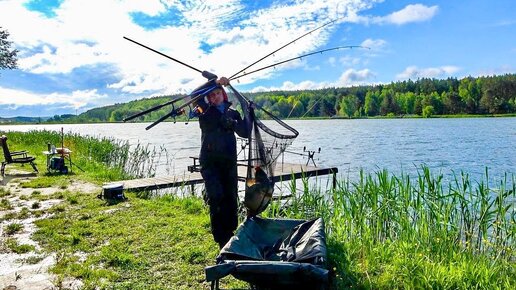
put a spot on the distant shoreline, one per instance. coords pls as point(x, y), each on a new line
point(465, 116)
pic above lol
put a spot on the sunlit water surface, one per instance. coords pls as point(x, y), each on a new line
point(398, 145)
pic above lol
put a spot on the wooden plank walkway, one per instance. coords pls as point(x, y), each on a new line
point(283, 172)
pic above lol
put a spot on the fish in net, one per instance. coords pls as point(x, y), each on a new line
point(267, 140)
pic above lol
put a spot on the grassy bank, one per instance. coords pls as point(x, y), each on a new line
point(383, 231)
point(94, 159)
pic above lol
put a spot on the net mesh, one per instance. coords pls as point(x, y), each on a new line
point(267, 141)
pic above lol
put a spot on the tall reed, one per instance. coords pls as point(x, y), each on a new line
point(421, 221)
point(104, 158)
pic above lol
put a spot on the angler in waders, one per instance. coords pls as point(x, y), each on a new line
point(218, 159)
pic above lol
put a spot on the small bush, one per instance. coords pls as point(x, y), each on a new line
point(428, 111)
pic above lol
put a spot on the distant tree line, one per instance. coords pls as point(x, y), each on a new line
point(423, 97)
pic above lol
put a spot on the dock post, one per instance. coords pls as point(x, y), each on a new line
point(334, 180)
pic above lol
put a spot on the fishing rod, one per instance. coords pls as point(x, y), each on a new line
point(205, 74)
point(200, 90)
point(171, 102)
point(309, 32)
point(175, 111)
point(196, 95)
point(210, 76)
point(294, 58)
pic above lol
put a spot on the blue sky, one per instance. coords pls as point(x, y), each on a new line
point(72, 55)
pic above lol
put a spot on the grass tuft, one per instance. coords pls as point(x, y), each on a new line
point(13, 245)
point(13, 228)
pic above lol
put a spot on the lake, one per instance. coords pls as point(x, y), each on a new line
point(399, 145)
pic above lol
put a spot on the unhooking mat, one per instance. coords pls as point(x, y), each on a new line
point(275, 253)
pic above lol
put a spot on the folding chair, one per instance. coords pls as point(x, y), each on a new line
point(19, 157)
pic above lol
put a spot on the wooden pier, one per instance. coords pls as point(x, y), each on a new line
point(283, 172)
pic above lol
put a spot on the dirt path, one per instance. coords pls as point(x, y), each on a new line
point(28, 270)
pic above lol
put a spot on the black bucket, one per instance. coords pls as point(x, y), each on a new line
point(113, 191)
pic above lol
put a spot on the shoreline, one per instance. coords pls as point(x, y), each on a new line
point(460, 116)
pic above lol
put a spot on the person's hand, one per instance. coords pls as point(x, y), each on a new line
point(223, 81)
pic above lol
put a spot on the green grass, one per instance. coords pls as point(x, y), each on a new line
point(383, 232)
point(12, 245)
point(13, 228)
point(8, 216)
point(396, 232)
point(161, 243)
point(4, 192)
point(5, 204)
point(43, 181)
point(102, 159)
point(32, 259)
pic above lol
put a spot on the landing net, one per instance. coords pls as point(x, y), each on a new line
point(268, 140)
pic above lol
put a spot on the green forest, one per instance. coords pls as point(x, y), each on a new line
point(426, 97)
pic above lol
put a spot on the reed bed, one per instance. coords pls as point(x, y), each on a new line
point(403, 232)
point(102, 158)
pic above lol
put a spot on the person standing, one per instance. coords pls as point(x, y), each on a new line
point(218, 159)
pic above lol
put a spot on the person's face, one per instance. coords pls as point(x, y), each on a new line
point(216, 97)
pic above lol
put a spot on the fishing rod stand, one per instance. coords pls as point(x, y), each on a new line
point(310, 155)
point(244, 142)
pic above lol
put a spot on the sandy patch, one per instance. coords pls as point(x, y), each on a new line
point(29, 270)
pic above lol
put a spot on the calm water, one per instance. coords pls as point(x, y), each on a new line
point(445, 145)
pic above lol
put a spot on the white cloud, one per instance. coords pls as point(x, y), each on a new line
point(350, 61)
point(332, 61)
point(349, 77)
point(90, 33)
point(291, 86)
point(355, 77)
point(76, 99)
point(504, 23)
point(413, 72)
point(411, 13)
point(504, 69)
point(374, 44)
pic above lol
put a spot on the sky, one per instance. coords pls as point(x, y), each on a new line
point(73, 56)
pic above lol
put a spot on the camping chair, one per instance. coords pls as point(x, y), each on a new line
point(20, 157)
